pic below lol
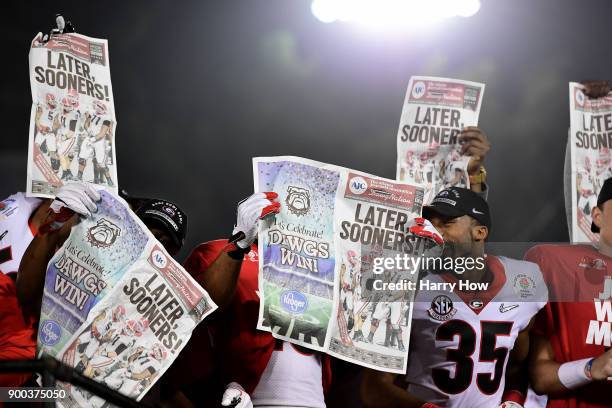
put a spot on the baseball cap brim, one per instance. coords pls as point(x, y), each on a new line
point(442, 209)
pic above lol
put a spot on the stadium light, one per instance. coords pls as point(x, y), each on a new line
point(392, 13)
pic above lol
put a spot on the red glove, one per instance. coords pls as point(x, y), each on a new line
point(424, 228)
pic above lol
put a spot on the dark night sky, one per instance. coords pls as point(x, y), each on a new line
point(202, 86)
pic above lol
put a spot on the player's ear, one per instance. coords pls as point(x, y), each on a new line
point(596, 215)
point(480, 232)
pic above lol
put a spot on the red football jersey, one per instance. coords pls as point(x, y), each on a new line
point(17, 339)
point(243, 350)
point(578, 317)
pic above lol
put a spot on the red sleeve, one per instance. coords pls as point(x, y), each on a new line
point(202, 257)
point(543, 325)
point(17, 339)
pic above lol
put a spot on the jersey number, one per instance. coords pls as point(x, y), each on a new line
point(488, 383)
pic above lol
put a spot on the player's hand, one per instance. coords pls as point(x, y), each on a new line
point(510, 404)
point(597, 89)
point(602, 366)
point(425, 229)
point(476, 145)
point(250, 211)
point(71, 198)
point(236, 397)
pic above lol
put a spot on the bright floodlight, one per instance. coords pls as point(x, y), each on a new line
point(392, 13)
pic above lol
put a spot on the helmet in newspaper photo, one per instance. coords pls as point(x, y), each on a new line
point(135, 327)
point(158, 352)
point(424, 156)
point(432, 151)
point(99, 107)
point(409, 157)
point(118, 313)
point(352, 258)
point(454, 155)
point(51, 101)
point(603, 160)
point(70, 101)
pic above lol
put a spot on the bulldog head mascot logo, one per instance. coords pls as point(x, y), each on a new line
point(103, 234)
point(298, 200)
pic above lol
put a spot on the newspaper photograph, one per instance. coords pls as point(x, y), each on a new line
point(316, 260)
point(133, 336)
point(590, 143)
point(92, 260)
point(434, 113)
point(72, 120)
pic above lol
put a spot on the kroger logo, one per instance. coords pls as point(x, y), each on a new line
point(358, 185)
point(293, 301)
point(49, 333)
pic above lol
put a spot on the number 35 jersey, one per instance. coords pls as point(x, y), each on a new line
point(461, 339)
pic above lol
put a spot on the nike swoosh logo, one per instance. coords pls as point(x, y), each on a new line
point(475, 211)
point(505, 309)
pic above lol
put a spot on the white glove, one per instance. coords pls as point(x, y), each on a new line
point(425, 229)
point(510, 404)
point(77, 196)
point(250, 211)
point(236, 397)
point(71, 198)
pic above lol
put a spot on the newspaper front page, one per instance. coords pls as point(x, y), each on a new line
point(72, 121)
point(317, 260)
point(434, 113)
point(116, 306)
point(590, 143)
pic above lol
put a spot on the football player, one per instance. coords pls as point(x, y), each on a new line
point(68, 121)
point(571, 358)
point(47, 124)
point(462, 339)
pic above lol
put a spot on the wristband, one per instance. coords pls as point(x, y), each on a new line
point(574, 374)
point(514, 396)
point(429, 405)
point(235, 252)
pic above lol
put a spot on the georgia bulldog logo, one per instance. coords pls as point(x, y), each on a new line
point(103, 234)
point(298, 200)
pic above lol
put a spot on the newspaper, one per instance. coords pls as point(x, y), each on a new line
point(590, 141)
point(116, 306)
point(89, 264)
point(72, 121)
point(434, 113)
point(316, 260)
point(138, 330)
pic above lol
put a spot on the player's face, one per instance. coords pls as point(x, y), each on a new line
point(603, 219)
point(457, 233)
point(164, 238)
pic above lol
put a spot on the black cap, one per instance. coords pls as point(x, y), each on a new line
point(166, 214)
point(456, 201)
point(134, 202)
point(605, 194)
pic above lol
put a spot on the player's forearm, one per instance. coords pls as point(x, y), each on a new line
point(379, 390)
point(544, 377)
point(220, 279)
point(32, 269)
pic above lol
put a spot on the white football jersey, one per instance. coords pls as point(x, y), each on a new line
point(67, 118)
point(95, 124)
point(15, 231)
point(292, 378)
point(460, 341)
point(47, 117)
